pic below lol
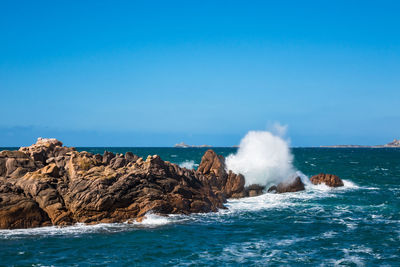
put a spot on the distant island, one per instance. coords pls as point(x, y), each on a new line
point(183, 145)
point(394, 143)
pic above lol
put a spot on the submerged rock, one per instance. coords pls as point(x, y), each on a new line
point(328, 179)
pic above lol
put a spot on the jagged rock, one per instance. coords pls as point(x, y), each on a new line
point(211, 163)
point(118, 162)
point(107, 157)
point(65, 186)
point(328, 179)
point(288, 186)
point(45, 148)
point(130, 157)
point(49, 184)
point(234, 186)
point(226, 185)
point(15, 161)
point(18, 210)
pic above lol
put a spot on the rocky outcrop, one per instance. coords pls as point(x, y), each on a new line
point(328, 179)
point(291, 185)
point(15, 163)
point(49, 184)
point(225, 184)
point(18, 210)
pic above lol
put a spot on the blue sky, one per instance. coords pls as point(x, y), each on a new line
point(155, 73)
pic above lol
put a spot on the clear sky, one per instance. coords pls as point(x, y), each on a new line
point(155, 73)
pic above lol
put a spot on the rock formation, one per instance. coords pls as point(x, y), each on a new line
point(49, 184)
point(225, 184)
point(294, 185)
point(328, 179)
point(291, 185)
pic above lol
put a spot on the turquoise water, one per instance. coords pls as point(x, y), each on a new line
point(356, 225)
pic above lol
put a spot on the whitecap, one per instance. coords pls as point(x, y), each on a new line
point(328, 234)
point(349, 260)
point(188, 164)
point(154, 220)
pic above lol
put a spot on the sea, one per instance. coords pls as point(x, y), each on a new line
point(355, 225)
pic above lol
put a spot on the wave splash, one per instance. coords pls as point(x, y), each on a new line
point(188, 164)
point(150, 221)
point(263, 158)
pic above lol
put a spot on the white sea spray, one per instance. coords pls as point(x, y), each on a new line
point(188, 164)
point(263, 158)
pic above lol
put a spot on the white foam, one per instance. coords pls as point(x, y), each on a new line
point(151, 220)
point(349, 184)
point(349, 260)
point(154, 220)
point(287, 200)
point(329, 234)
point(73, 230)
point(188, 164)
point(263, 158)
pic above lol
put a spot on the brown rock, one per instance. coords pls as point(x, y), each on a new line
point(45, 148)
point(81, 187)
point(51, 170)
point(10, 161)
point(19, 211)
point(118, 162)
point(107, 157)
point(212, 168)
point(49, 184)
point(211, 163)
point(130, 157)
point(328, 179)
point(234, 186)
point(289, 186)
point(199, 206)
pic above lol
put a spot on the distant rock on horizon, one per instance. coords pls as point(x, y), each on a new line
point(394, 143)
point(184, 145)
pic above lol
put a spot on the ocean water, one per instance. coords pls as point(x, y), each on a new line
point(356, 225)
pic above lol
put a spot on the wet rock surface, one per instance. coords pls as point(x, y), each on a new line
point(294, 185)
point(290, 185)
point(328, 179)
